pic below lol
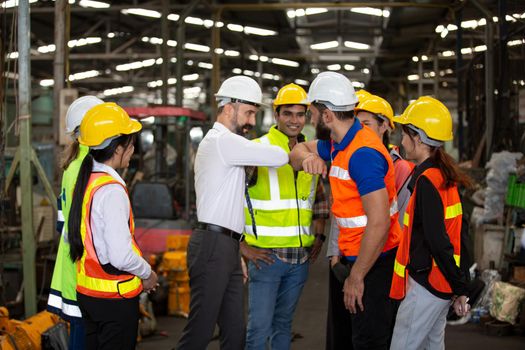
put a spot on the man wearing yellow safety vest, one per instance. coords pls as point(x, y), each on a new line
point(364, 204)
point(285, 205)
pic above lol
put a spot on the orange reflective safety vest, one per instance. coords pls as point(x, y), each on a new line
point(453, 213)
point(347, 206)
point(92, 279)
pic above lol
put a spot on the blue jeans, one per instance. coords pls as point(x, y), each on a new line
point(273, 293)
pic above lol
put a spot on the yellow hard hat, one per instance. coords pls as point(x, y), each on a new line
point(291, 94)
point(104, 122)
point(379, 106)
point(362, 95)
point(431, 116)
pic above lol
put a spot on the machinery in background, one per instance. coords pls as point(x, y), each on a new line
point(28, 334)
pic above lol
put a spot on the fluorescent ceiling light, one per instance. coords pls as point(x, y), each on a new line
point(444, 33)
point(259, 31)
point(349, 67)
point(302, 82)
point(12, 3)
point(413, 77)
point(448, 53)
point(284, 62)
point(84, 41)
point(205, 65)
point(480, 48)
point(424, 58)
point(47, 82)
point(119, 90)
point(248, 72)
point(415, 58)
point(358, 84)
point(173, 17)
point(516, 42)
point(356, 45)
point(190, 77)
point(232, 53)
point(334, 67)
point(141, 12)
point(111, 35)
point(466, 50)
point(197, 47)
point(307, 12)
point(219, 51)
point(315, 70)
point(237, 71)
point(326, 45)
point(371, 11)
point(263, 58)
point(267, 76)
point(365, 70)
point(253, 57)
point(84, 75)
point(235, 27)
point(194, 20)
point(94, 4)
point(138, 64)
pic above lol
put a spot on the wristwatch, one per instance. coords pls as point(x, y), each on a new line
point(321, 236)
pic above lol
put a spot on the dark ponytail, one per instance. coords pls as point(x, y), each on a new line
point(452, 174)
point(76, 248)
point(75, 213)
point(386, 136)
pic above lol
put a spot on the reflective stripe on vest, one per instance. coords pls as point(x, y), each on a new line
point(347, 206)
point(282, 203)
point(361, 221)
point(92, 280)
point(452, 214)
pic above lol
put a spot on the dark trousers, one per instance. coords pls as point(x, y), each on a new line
point(339, 323)
point(216, 292)
point(109, 323)
point(373, 327)
point(77, 335)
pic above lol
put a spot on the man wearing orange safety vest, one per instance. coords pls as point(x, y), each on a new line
point(364, 205)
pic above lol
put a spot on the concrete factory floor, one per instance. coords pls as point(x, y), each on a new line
point(310, 324)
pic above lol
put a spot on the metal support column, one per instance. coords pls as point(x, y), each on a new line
point(24, 110)
point(489, 87)
point(216, 61)
point(160, 127)
point(181, 40)
point(436, 77)
point(459, 77)
point(58, 61)
point(503, 101)
point(420, 81)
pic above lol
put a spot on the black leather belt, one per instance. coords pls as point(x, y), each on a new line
point(216, 228)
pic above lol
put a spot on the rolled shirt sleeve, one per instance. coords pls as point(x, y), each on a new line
point(236, 150)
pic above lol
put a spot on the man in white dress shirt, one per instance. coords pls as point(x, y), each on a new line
point(213, 251)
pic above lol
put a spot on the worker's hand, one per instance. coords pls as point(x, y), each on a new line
point(150, 283)
point(315, 165)
point(316, 249)
point(255, 254)
point(353, 289)
point(461, 306)
point(244, 271)
point(334, 260)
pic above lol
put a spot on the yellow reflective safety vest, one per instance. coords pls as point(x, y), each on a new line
point(282, 202)
point(92, 278)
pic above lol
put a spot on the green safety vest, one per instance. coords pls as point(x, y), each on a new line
point(63, 294)
point(282, 203)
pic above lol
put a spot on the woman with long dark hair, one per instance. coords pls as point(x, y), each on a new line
point(111, 272)
point(62, 294)
point(427, 275)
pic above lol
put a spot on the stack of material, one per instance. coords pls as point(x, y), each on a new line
point(174, 267)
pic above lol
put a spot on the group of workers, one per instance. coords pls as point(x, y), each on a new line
point(395, 230)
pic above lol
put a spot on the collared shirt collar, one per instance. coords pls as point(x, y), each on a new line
point(101, 167)
point(220, 127)
point(350, 134)
point(420, 169)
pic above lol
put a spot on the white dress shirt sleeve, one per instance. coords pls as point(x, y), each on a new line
point(116, 235)
point(236, 150)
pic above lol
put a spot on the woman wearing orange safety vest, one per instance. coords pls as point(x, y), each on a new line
point(426, 270)
point(111, 272)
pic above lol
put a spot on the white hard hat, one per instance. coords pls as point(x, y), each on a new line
point(239, 88)
point(333, 90)
point(77, 110)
